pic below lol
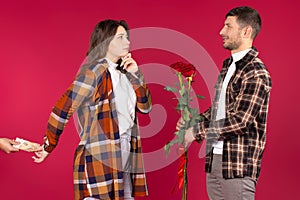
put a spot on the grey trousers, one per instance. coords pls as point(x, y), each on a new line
point(228, 189)
point(125, 150)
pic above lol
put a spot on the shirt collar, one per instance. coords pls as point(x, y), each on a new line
point(247, 58)
point(111, 64)
point(239, 55)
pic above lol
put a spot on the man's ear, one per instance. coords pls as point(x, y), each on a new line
point(247, 32)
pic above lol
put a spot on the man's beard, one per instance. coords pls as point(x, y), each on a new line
point(232, 45)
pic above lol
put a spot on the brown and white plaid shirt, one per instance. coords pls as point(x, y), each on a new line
point(243, 130)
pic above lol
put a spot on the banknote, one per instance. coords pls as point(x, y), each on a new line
point(26, 145)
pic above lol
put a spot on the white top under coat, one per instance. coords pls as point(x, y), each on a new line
point(125, 98)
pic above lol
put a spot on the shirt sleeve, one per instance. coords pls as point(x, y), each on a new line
point(206, 115)
point(144, 99)
point(81, 88)
point(254, 90)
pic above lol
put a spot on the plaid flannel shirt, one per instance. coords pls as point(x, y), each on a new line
point(98, 169)
point(243, 130)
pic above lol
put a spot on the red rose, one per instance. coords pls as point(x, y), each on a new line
point(186, 69)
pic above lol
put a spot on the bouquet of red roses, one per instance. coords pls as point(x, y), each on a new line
point(188, 114)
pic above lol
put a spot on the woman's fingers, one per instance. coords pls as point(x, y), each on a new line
point(40, 156)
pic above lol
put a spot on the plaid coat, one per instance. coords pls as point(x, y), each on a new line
point(98, 169)
point(244, 127)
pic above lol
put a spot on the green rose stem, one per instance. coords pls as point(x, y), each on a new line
point(185, 179)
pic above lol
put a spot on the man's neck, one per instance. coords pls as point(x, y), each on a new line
point(245, 45)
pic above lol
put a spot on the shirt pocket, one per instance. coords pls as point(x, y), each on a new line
point(233, 91)
point(234, 88)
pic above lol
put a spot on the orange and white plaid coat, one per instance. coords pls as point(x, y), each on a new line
point(98, 169)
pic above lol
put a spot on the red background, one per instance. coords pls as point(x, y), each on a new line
point(42, 44)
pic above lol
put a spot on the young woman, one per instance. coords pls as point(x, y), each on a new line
point(108, 161)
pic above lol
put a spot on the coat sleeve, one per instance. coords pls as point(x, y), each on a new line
point(82, 87)
point(144, 99)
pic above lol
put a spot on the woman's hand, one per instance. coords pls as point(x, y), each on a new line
point(40, 156)
point(129, 63)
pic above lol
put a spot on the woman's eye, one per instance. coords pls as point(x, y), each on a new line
point(122, 37)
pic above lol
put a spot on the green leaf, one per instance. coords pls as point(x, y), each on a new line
point(194, 112)
point(173, 142)
point(181, 136)
point(179, 107)
point(186, 114)
point(171, 89)
point(183, 102)
point(200, 96)
point(182, 91)
point(167, 148)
